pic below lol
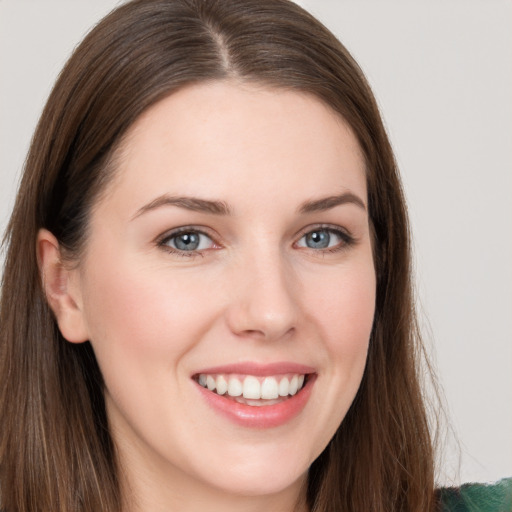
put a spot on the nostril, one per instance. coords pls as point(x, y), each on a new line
point(270, 333)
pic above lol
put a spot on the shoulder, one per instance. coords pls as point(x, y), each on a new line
point(477, 497)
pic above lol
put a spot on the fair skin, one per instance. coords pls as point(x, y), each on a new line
point(266, 281)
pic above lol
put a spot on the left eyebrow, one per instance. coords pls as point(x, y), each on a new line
point(326, 203)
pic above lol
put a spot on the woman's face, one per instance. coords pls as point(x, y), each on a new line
point(232, 249)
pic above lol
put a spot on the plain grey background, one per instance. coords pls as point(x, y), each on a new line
point(442, 74)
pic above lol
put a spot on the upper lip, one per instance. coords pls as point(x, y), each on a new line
point(258, 369)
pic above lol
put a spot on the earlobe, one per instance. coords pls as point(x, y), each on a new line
point(62, 288)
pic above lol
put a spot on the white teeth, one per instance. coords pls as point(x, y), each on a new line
point(222, 385)
point(210, 382)
point(294, 384)
point(253, 388)
point(234, 387)
point(269, 388)
point(284, 387)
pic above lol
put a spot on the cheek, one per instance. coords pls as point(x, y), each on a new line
point(342, 307)
point(345, 309)
point(135, 315)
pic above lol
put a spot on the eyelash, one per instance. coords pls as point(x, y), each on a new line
point(347, 240)
point(165, 239)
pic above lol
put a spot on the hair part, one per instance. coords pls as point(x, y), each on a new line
point(56, 452)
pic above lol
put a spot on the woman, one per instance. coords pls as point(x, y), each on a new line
point(215, 310)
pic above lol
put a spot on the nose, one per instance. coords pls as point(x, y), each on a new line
point(263, 299)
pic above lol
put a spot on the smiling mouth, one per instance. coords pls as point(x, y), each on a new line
point(253, 390)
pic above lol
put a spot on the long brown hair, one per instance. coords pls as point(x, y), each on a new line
point(56, 452)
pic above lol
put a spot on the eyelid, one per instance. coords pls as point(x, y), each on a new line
point(322, 226)
point(161, 240)
point(343, 233)
point(185, 229)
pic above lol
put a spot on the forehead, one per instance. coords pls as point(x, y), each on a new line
point(224, 139)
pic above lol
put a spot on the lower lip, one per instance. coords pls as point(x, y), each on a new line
point(266, 416)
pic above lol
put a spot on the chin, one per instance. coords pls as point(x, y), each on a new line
point(260, 470)
point(261, 481)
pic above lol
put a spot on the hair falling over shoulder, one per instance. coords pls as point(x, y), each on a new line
point(56, 452)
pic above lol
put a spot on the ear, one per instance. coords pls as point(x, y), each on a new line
point(62, 288)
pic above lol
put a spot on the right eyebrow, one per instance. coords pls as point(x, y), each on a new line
point(189, 203)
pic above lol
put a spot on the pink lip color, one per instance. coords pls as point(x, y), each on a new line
point(258, 369)
point(267, 416)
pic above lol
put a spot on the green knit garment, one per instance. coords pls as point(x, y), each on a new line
point(478, 497)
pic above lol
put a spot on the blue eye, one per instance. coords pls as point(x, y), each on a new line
point(188, 241)
point(323, 238)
